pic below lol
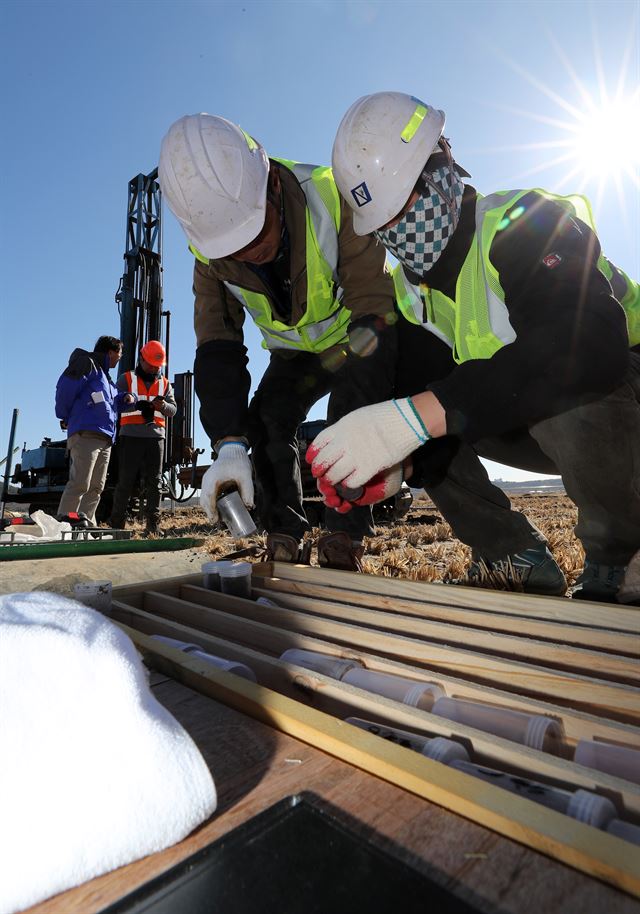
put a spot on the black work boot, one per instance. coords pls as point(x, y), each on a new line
point(78, 520)
point(598, 582)
point(534, 571)
point(152, 528)
point(338, 550)
point(284, 548)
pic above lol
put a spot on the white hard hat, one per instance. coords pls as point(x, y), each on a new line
point(214, 177)
point(380, 150)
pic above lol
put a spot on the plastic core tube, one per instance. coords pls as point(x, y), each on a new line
point(533, 730)
point(335, 667)
point(409, 691)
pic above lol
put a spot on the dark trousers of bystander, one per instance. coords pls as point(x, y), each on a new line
point(138, 456)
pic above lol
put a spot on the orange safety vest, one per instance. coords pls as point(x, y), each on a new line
point(137, 386)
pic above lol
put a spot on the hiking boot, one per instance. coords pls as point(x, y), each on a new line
point(338, 550)
point(598, 582)
point(284, 548)
point(535, 571)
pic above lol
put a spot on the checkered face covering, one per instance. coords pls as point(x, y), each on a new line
point(420, 237)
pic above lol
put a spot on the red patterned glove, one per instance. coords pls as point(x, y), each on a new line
point(382, 486)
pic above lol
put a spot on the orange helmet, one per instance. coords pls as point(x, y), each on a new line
point(153, 352)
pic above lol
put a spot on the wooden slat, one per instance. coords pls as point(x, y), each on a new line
point(559, 656)
point(578, 635)
point(616, 701)
point(577, 724)
point(344, 700)
point(559, 609)
point(594, 852)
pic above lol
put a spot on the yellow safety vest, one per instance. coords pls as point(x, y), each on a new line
point(476, 323)
point(325, 320)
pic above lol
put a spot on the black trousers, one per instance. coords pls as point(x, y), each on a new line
point(595, 448)
point(289, 388)
point(138, 456)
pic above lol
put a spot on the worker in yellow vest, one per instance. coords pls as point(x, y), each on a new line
point(520, 344)
point(272, 238)
point(140, 448)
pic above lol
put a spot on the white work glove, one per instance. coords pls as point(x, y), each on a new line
point(382, 486)
point(232, 466)
point(366, 441)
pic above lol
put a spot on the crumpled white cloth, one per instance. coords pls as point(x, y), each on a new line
point(94, 772)
point(45, 529)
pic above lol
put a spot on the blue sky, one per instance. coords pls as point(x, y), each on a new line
point(90, 88)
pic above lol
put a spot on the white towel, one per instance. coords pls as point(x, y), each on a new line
point(94, 772)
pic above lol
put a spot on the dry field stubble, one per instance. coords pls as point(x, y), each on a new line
point(421, 547)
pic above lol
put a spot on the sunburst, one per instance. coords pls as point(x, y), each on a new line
point(593, 144)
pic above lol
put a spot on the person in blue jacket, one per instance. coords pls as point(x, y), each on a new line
point(88, 404)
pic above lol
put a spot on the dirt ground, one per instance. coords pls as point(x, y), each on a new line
point(420, 547)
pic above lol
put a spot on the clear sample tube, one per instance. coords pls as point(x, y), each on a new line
point(193, 650)
point(587, 807)
point(533, 730)
point(409, 691)
point(437, 748)
point(326, 664)
point(235, 515)
point(620, 761)
point(624, 830)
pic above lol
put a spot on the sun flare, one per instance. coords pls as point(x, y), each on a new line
point(606, 139)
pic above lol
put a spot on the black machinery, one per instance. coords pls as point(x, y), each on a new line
point(42, 472)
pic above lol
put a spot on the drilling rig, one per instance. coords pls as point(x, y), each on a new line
point(42, 473)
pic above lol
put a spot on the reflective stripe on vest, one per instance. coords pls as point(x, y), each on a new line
point(477, 322)
point(325, 320)
point(137, 386)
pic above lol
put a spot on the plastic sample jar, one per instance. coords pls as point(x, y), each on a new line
point(235, 579)
point(533, 730)
point(328, 665)
point(211, 574)
point(409, 691)
point(619, 761)
point(587, 807)
point(96, 594)
point(437, 748)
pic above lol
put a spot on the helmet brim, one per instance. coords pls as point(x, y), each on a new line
point(235, 239)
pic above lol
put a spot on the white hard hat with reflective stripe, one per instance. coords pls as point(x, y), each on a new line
point(380, 150)
point(214, 177)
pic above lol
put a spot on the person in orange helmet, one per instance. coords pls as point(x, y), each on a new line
point(142, 434)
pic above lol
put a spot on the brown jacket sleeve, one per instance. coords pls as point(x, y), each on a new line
point(217, 315)
point(367, 284)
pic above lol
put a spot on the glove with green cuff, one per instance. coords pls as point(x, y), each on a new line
point(366, 441)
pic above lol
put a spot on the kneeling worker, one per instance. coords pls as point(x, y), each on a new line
point(542, 332)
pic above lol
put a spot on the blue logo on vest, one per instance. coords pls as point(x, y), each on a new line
point(361, 194)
